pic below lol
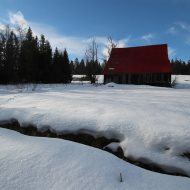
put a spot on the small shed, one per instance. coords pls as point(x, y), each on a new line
point(139, 65)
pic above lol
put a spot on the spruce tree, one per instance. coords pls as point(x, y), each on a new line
point(79, 67)
point(48, 61)
point(82, 67)
point(41, 60)
point(45, 60)
point(72, 66)
point(29, 58)
point(2, 58)
point(67, 76)
point(11, 53)
point(56, 74)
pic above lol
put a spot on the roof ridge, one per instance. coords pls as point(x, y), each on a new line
point(165, 44)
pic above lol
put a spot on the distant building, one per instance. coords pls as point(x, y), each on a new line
point(139, 65)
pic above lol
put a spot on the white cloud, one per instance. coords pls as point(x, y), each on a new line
point(171, 52)
point(18, 19)
point(148, 37)
point(183, 26)
point(123, 42)
point(76, 46)
point(185, 31)
point(172, 30)
point(2, 27)
point(179, 27)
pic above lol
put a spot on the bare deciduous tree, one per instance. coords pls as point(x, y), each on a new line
point(110, 44)
point(91, 53)
point(91, 56)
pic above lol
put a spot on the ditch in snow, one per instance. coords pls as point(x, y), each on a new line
point(89, 139)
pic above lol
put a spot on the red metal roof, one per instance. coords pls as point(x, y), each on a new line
point(143, 59)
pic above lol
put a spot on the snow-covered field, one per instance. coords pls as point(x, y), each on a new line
point(151, 123)
point(28, 163)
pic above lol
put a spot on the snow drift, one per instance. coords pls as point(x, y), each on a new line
point(152, 123)
point(42, 163)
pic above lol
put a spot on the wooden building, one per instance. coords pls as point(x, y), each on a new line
point(139, 65)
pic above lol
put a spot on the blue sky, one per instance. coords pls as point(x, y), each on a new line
point(72, 24)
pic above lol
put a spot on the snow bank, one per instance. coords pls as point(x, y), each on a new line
point(29, 163)
point(152, 123)
point(182, 81)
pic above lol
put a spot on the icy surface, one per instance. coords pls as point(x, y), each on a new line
point(28, 163)
point(151, 122)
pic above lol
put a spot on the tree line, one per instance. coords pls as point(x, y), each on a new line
point(180, 67)
point(85, 67)
point(28, 59)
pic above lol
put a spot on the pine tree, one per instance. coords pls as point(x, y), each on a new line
point(56, 74)
point(77, 66)
point(82, 67)
point(45, 60)
point(29, 58)
point(11, 52)
point(188, 67)
point(41, 60)
point(180, 67)
point(72, 66)
point(67, 76)
point(2, 58)
point(48, 61)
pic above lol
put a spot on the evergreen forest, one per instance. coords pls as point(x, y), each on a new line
point(25, 58)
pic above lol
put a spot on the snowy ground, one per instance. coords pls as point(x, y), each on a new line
point(28, 163)
point(151, 122)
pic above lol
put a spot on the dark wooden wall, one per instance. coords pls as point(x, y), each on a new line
point(157, 79)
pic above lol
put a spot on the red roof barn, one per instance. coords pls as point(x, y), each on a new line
point(139, 65)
